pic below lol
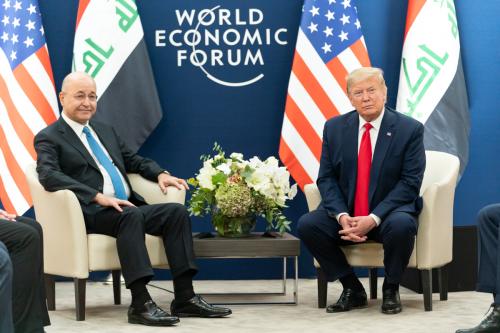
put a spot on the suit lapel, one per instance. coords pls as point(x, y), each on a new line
point(350, 154)
point(384, 139)
point(71, 138)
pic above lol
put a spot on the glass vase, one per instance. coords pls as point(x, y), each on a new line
point(235, 227)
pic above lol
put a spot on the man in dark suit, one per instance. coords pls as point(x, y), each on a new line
point(88, 158)
point(25, 307)
point(488, 229)
point(371, 169)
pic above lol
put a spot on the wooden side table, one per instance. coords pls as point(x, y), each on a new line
point(254, 246)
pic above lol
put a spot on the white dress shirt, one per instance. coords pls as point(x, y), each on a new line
point(108, 188)
point(374, 131)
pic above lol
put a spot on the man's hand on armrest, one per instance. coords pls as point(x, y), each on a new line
point(166, 179)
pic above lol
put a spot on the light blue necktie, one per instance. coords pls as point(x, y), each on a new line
point(107, 164)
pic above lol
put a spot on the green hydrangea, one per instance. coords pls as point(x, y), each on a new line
point(234, 199)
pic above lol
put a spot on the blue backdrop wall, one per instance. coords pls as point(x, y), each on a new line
point(248, 119)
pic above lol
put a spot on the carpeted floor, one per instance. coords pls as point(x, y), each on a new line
point(463, 309)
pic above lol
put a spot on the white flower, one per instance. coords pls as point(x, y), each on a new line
point(225, 167)
point(293, 192)
point(237, 156)
point(205, 175)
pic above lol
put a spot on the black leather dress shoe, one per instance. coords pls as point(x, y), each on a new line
point(151, 315)
point(391, 304)
point(490, 323)
point(198, 307)
point(349, 299)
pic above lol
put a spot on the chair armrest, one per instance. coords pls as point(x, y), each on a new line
point(313, 197)
point(435, 229)
point(64, 235)
point(151, 192)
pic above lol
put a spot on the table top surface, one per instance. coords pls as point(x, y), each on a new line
point(253, 246)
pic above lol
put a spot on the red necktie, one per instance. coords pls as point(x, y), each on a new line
point(361, 205)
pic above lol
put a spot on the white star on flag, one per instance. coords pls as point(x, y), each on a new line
point(314, 11)
point(328, 31)
point(30, 25)
point(343, 36)
point(312, 27)
point(344, 19)
point(330, 15)
point(28, 42)
point(346, 3)
point(31, 9)
point(17, 6)
point(327, 48)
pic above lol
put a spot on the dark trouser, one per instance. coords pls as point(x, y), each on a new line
point(488, 228)
point(171, 221)
point(320, 233)
point(24, 240)
point(6, 325)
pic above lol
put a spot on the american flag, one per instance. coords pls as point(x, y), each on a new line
point(330, 44)
point(27, 97)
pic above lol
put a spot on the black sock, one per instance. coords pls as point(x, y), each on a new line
point(183, 286)
point(387, 285)
point(351, 282)
point(140, 294)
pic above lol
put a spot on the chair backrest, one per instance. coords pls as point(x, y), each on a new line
point(439, 167)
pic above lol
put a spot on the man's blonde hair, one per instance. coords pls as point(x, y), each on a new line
point(364, 73)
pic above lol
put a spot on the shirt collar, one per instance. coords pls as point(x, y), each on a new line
point(77, 127)
point(375, 123)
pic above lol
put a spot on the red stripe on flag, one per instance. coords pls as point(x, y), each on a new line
point(338, 71)
point(43, 56)
point(414, 7)
point(15, 170)
point(22, 130)
point(303, 127)
point(293, 165)
point(4, 197)
point(313, 87)
point(34, 93)
point(81, 9)
point(361, 53)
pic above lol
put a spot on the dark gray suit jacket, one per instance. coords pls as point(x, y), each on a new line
point(397, 170)
point(64, 163)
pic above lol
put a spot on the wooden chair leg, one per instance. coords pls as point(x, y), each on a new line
point(80, 285)
point(322, 288)
point(372, 278)
point(50, 291)
point(117, 286)
point(426, 276)
point(443, 282)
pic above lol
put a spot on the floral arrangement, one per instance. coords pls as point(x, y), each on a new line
point(235, 187)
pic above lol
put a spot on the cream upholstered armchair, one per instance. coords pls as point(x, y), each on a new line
point(433, 245)
point(69, 251)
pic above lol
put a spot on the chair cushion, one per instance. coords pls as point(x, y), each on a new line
point(369, 254)
point(103, 254)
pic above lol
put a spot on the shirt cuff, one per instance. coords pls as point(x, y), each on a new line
point(339, 215)
point(376, 218)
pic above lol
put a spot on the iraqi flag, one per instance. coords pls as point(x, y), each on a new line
point(109, 45)
point(431, 83)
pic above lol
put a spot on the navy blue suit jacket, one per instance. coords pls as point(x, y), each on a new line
point(397, 169)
